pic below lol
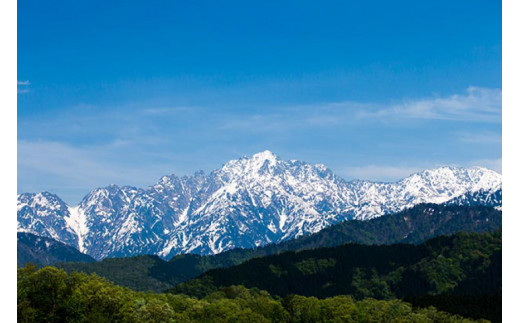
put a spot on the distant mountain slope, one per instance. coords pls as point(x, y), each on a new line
point(480, 197)
point(249, 202)
point(46, 251)
point(439, 265)
point(414, 225)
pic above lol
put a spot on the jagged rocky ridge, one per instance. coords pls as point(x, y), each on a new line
point(248, 202)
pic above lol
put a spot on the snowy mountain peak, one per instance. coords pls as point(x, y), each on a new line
point(321, 167)
point(252, 164)
point(265, 155)
point(248, 202)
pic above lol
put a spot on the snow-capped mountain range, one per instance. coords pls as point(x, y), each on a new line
point(248, 202)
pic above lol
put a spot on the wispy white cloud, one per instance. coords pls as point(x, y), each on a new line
point(477, 104)
point(62, 160)
point(481, 137)
point(474, 105)
point(22, 86)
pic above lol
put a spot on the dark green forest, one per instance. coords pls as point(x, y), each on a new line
point(442, 280)
point(465, 264)
point(51, 295)
point(414, 225)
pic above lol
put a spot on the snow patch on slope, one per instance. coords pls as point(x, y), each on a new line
point(77, 221)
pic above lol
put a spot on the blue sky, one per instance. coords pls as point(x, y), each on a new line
point(125, 92)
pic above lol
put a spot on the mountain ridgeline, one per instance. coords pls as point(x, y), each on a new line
point(414, 225)
point(248, 203)
point(46, 251)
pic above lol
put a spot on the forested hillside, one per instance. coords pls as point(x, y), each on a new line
point(414, 225)
point(465, 264)
point(50, 295)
